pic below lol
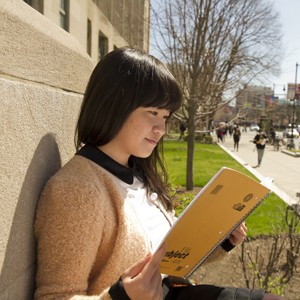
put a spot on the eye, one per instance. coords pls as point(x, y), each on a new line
point(154, 112)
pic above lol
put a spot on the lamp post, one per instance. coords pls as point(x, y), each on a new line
point(274, 86)
point(295, 97)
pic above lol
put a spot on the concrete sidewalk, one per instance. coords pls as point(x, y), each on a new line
point(283, 168)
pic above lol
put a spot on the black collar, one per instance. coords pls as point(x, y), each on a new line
point(97, 156)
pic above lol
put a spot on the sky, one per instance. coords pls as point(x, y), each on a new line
point(289, 17)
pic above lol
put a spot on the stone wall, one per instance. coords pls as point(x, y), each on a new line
point(43, 74)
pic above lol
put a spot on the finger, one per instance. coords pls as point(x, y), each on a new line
point(239, 234)
point(236, 238)
point(243, 225)
point(241, 229)
point(244, 229)
point(137, 268)
point(154, 262)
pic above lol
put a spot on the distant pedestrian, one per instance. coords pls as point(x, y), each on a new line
point(236, 137)
point(260, 140)
point(220, 133)
point(182, 129)
point(230, 130)
point(225, 129)
point(272, 135)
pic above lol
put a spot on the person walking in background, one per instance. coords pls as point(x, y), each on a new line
point(182, 129)
point(272, 135)
point(260, 140)
point(224, 130)
point(220, 133)
point(230, 130)
point(236, 137)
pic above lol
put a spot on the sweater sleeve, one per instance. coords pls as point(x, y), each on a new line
point(69, 227)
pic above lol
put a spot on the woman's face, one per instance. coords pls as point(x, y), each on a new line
point(139, 134)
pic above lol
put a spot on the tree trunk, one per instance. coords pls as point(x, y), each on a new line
point(190, 150)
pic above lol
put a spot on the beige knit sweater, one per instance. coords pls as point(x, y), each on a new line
point(87, 234)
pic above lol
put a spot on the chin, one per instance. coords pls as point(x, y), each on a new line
point(143, 155)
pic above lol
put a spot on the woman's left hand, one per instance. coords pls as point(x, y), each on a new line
point(238, 235)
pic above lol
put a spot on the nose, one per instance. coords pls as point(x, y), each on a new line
point(160, 127)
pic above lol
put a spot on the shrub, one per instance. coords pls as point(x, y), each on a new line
point(283, 255)
point(180, 202)
point(208, 139)
point(199, 137)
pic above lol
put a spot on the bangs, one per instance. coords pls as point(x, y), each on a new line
point(163, 93)
point(164, 100)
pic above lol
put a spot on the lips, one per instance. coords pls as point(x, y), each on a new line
point(152, 142)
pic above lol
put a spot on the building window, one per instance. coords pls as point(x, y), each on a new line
point(63, 14)
point(102, 45)
point(89, 38)
point(36, 4)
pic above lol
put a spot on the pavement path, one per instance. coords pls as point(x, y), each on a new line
point(283, 168)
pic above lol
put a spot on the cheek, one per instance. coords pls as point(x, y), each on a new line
point(139, 126)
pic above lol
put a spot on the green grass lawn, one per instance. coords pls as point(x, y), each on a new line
point(208, 160)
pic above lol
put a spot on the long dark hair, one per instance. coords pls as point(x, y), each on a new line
point(124, 80)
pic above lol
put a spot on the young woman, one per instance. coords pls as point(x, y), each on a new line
point(102, 216)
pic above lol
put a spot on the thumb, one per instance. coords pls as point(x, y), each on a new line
point(137, 268)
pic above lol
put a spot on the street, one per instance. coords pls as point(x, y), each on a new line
point(283, 168)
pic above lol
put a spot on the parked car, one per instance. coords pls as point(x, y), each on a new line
point(254, 127)
point(287, 133)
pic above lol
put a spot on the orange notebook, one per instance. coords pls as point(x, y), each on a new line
point(215, 212)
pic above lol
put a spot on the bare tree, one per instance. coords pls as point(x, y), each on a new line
point(211, 47)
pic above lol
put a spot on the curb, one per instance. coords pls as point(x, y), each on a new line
point(291, 153)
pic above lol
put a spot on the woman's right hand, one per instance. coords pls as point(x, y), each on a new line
point(143, 279)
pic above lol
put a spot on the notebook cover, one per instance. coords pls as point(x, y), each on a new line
point(215, 212)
